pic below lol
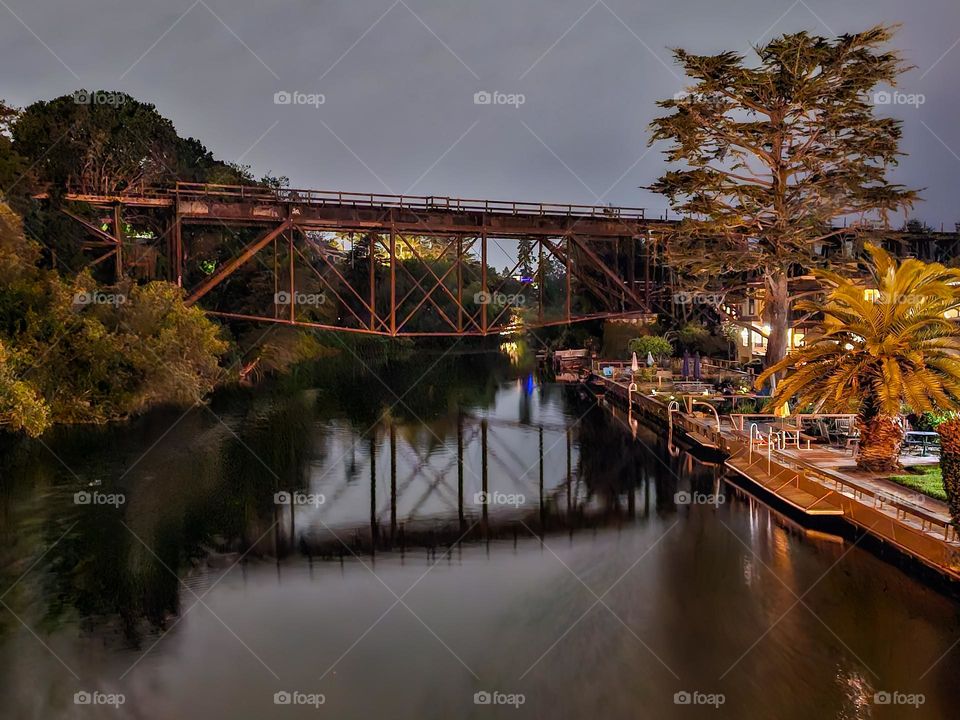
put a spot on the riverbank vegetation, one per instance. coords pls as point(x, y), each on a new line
point(70, 352)
point(927, 479)
point(773, 156)
point(88, 341)
point(886, 343)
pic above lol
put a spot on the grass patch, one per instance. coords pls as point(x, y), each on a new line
point(926, 479)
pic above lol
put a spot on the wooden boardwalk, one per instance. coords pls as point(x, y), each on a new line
point(819, 482)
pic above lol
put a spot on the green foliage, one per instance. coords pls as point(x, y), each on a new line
point(105, 142)
point(926, 479)
point(12, 165)
point(21, 406)
point(654, 344)
point(932, 419)
point(875, 356)
point(774, 153)
point(73, 352)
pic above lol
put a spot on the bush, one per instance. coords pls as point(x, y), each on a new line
point(655, 345)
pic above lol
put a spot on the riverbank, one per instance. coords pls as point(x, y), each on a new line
point(815, 482)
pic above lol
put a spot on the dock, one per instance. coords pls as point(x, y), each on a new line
point(814, 483)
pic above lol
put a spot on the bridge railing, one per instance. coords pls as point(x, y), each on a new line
point(408, 202)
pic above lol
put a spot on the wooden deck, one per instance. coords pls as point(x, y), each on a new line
point(819, 482)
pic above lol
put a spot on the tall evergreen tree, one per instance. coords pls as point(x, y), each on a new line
point(774, 154)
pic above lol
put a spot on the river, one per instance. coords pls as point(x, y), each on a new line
point(322, 548)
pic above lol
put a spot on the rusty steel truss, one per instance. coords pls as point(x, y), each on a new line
point(584, 262)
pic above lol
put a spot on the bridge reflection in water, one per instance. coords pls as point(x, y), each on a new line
point(492, 478)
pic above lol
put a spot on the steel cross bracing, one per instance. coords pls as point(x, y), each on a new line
point(380, 264)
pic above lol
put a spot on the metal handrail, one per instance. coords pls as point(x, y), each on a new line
point(412, 202)
point(908, 509)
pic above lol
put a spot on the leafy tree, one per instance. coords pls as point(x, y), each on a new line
point(21, 405)
point(949, 432)
point(12, 166)
point(653, 344)
point(875, 357)
point(106, 142)
point(73, 352)
point(775, 153)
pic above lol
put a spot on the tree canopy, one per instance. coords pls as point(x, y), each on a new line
point(772, 155)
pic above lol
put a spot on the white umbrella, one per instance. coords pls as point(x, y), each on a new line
point(649, 359)
point(634, 363)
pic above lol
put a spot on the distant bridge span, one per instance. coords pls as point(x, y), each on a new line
point(585, 262)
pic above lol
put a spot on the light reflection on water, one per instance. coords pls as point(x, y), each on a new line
point(596, 596)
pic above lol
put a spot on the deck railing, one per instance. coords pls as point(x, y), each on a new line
point(414, 203)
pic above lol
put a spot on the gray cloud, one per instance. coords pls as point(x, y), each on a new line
point(399, 78)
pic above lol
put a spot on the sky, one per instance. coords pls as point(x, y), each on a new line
point(383, 94)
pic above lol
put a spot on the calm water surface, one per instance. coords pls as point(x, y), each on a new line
point(583, 591)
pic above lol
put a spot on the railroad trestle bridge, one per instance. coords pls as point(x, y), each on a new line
point(365, 257)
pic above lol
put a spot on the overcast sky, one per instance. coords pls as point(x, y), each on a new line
point(398, 79)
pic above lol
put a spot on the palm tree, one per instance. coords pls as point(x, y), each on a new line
point(878, 352)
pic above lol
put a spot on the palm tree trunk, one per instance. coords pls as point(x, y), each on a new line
point(880, 439)
point(950, 464)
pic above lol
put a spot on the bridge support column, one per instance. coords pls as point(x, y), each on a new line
point(393, 280)
point(372, 249)
point(483, 290)
point(293, 277)
point(118, 236)
point(177, 264)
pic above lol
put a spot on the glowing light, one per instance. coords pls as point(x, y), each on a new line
point(529, 385)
